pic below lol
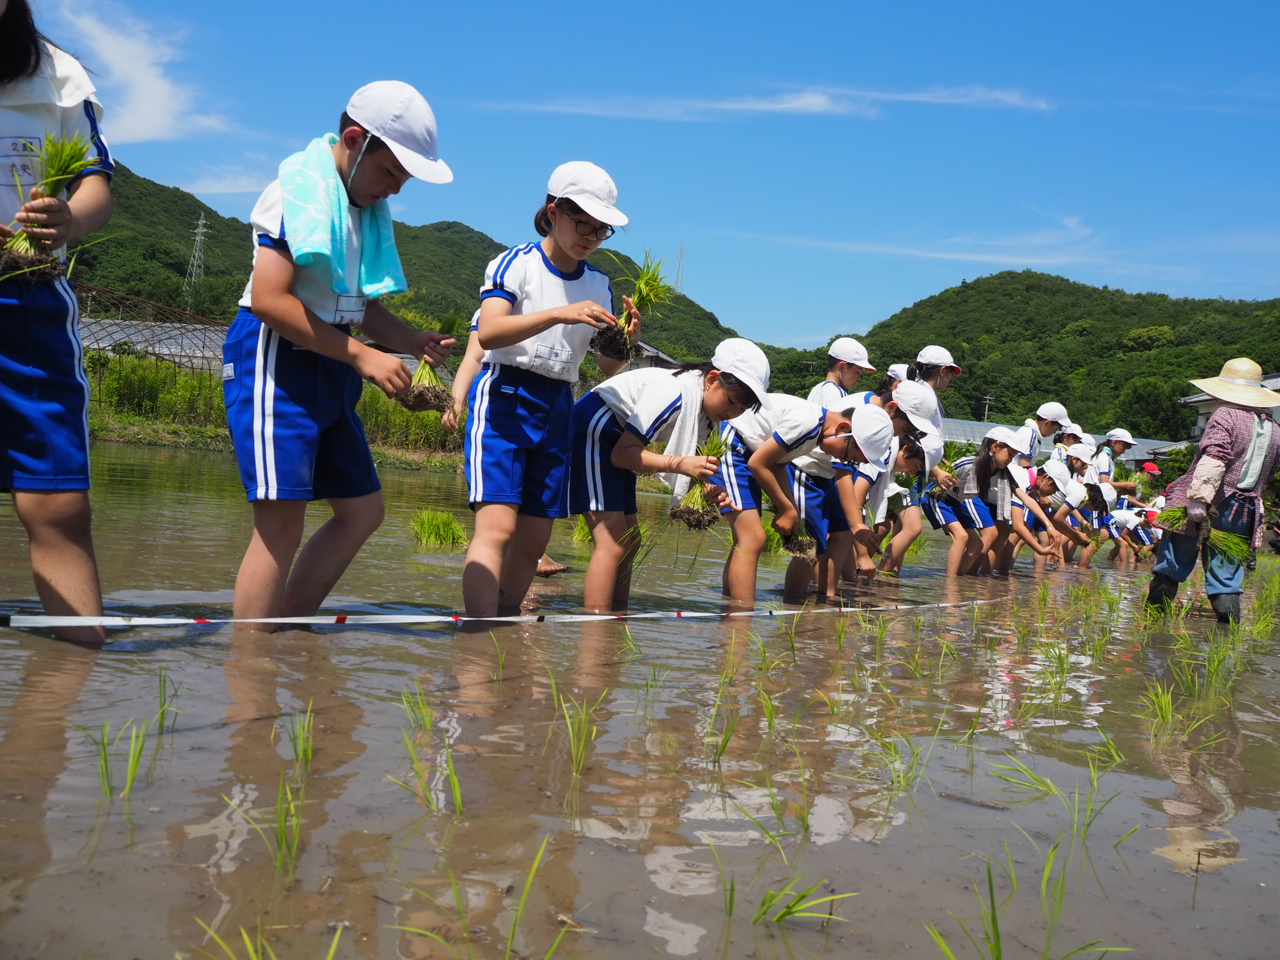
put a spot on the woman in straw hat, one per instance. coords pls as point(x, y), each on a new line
point(1237, 456)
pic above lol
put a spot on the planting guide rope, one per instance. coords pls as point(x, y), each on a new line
point(22, 621)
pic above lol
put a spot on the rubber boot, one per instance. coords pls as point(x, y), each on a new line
point(1162, 591)
point(1226, 606)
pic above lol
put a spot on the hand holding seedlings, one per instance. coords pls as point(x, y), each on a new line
point(46, 219)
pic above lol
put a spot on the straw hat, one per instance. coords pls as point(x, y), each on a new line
point(1241, 383)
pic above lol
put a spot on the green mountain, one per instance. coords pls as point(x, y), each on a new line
point(1114, 358)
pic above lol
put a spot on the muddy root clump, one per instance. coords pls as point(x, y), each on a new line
point(695, 519)
point(421, 397)
point(802, 547)
point(612, 343)
point(30, 268)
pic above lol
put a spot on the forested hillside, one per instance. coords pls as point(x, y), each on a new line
point(1114, 358)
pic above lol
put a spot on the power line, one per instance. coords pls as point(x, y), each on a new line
point(195, 267)
point(679, 284)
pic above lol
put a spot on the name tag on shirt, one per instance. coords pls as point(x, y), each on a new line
point(554, 361)
point(350, 309)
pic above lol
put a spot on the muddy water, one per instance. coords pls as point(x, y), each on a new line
point(860, 753)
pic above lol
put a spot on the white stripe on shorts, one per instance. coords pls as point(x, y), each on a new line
point(595, 481)
point(478, 417)
point(264, 408)
point(63, 286)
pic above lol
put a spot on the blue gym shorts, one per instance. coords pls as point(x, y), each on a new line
point(44, 393)
point(594, 482)
point(975, 514)
point(818, 502)
point(292, 416)
point(1033, 522)
point(734, 475)
point(517, 446)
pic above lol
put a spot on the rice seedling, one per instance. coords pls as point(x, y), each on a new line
point(769, 708)
point(301, 733)
point(654, 681)
point(788, 903)
point(421, 785)
point(773, 836)
point(438, 528)
point(1018, 774)
point(281, 830)
point(137, 741)
point(581, 531)
point(497, 675)
point(102, 746)
point(56, 164)
point(524, 898)
point(580, 727)
point(460, 907)
point(256, 948)
point(1232, 546)
point(728, 884)
point(695, 510)
point(842, 626)
point(415, 705)
point(721, 738)
point(772, 540)
point(904, 762)
point(167, 692)
point(427, 391)
point(451, 777)
point(649, 289)
point(1157, 702)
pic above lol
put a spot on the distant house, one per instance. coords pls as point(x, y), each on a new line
point(651, 356)
point(1205, 404)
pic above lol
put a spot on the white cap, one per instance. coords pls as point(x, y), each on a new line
point(747, 362)
point(1017, 439)
point(931, 443)
point(872, 430)
point(1053, 411)
point(919, 402)
point(1075, 430)
point(937, 356)
point(1121, 434)
point(898, 371)
point(400, 117)
point(1081, 451)
point(590, 188)
point(1057, 471)
point(1108, 494)
point(850, 351)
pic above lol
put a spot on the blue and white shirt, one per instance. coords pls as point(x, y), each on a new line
point(527, 278)
point(796, 424)
point(828, 394)
point(646, 402)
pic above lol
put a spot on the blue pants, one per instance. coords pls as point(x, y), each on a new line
point(1177, 553)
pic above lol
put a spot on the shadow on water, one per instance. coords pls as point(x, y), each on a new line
point(1038, 751)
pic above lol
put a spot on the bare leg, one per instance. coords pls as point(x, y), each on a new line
point(910, 526)
point(740, 568)
point(495, 525)
point(521, 559)
point(608, 581)
point(58, 525)
point(329, 552)
point(795, 585)
point(264, 571)
point(957, 554)
point(548, 567)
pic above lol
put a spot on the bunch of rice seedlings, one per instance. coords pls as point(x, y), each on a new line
point(1233, 546)
point(772, 540)
point(649, 289)
point(806, 548)
point(438, 528)
point(428, 392)
point(697, 512)
point(59, 161)
point(581, 532)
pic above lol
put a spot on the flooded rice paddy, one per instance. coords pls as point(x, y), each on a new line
point(1043, 769)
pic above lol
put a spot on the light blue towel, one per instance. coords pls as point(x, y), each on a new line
point(316, 220)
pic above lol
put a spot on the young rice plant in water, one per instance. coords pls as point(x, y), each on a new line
point(427, 391)
point(695, 510)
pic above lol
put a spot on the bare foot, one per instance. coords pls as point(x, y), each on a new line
point(548, 567)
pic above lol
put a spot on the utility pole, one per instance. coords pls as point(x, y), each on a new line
point(679, 284)
point(986, 409)
point(195, 267)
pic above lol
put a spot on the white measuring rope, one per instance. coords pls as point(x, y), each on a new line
point(22, 621)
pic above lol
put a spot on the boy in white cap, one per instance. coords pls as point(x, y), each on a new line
point(1049, 419)
point(1237, 455)
point(846, 362)
point(541, 305)
point(323, 256)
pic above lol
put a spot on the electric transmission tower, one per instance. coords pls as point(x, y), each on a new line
point(679, 284)
point(195, 268)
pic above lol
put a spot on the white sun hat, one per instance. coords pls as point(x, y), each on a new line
point(897, 370)
point(1074, 429)
point(1240, 382)
point(747, 362)
point(1121, 434)
point(919, 402)
point(590, 188)
point(400, 117)
point(1017, 439)
point(932, 445)
point(1053, 411)
point(850, 351)
point(872, 430)
point(1081, 451)
point(937, 356)
point(1057, 471)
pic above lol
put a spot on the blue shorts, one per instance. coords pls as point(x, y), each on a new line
point(1033, 522)
point(44, 393)
point(517, 447)
point(292, 416)
point(734, 475)
point(1143, 536)
point(938, 510)
point(594, 482)
point(818, 503)
point(975, 514)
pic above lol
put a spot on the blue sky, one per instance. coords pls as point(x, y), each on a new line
point(823, 165)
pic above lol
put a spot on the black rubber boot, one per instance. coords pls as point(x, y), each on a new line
point(1162, 591)
point(1226, 606)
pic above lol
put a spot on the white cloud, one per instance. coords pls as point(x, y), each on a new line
point(813, 101)
point(130, 58)
point(230, 180)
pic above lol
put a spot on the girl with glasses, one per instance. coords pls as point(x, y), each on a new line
point(540, 306)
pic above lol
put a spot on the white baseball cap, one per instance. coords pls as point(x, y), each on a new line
point(1081, 451)
point(872, 430)
point(590, 188)
point(897, 370)
point(400, 117)
point(1074, 429)
point(937, 356)
point(919, 402)
point(1017, 439)
point(1057, 471)
point(1121, 434)
point(850, 351)
point(747, 362)
point(931, 443)
point(1053, 411)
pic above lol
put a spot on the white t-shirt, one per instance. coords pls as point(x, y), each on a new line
point(1158, 503)
point(794, 423)
point(59, 101)
point(531, 282)
point(1127, 519)
point(1030, 430)
point(646, 401)
point(1103, 463)
point(1074, 495)
point(827, 394)
point(312, 287)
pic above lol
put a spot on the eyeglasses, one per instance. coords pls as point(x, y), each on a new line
point(849, 448)
point(586, 229)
